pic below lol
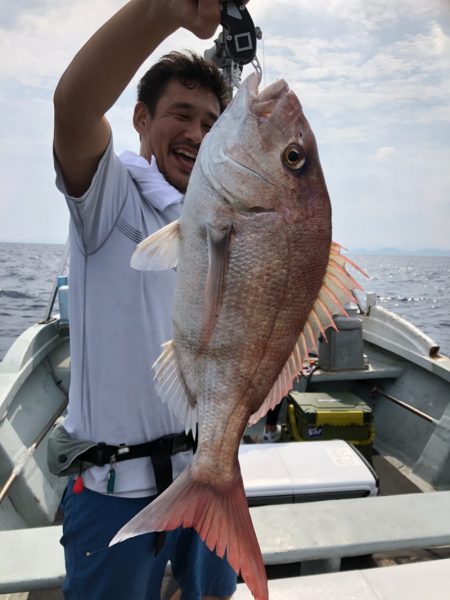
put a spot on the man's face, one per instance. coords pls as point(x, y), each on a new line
point(183, 116)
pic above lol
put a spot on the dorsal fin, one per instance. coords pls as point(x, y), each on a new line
point(158, 251)
point(336, 290)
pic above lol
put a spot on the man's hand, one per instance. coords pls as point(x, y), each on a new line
point(202, 17)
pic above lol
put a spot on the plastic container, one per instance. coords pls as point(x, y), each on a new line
point(296, 472)
point(343, 349)
point(328, 416)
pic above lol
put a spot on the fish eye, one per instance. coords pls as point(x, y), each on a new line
point(293, 157)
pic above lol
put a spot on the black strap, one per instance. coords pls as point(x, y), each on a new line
point(102, 453)
point(162, 466)
point(160, 452)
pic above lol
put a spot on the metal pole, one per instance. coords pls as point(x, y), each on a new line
point(18, 468)
point(377, 392)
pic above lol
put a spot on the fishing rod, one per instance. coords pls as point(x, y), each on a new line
point(235, 46)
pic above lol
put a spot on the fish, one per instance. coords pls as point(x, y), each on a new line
point(259, 279)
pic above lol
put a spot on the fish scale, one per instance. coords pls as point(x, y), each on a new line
point(258, 279)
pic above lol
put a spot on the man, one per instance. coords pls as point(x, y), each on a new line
point(119, 317)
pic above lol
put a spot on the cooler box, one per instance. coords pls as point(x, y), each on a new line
point(288, 472)
point(322, 416)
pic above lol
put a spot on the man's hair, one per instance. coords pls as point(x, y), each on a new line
point(188, 68)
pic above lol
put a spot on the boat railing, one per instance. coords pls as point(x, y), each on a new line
point(376, 391)
point(17, 470)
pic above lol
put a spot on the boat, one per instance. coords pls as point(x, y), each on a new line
point(399, 373)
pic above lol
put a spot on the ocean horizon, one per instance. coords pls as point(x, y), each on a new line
point(417, 287)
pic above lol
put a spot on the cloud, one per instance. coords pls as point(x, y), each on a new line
point(15, 12)
point(372, 77)
point(400, 200)
point(384, 152)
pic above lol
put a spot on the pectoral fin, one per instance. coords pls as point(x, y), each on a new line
point(158, 251)
point(218, 254)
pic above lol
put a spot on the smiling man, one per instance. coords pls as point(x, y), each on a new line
point(175, 111)
point(119, 443)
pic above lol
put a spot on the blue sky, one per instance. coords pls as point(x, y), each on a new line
point(373, 78)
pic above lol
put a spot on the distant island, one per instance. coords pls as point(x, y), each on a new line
point(399, 252)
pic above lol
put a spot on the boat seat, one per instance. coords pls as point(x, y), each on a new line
point(317, 534)
point(417, 581)
point(320, 534)
point(31, 559)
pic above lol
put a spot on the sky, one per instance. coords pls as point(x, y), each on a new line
point(373, 78)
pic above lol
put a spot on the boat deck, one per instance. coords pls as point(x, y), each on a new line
point(392, 481)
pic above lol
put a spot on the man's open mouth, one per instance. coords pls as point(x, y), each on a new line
point(185, 157)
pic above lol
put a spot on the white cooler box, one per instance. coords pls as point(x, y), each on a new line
point(305, 471)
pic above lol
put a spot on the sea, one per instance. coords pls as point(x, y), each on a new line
point(414, 287)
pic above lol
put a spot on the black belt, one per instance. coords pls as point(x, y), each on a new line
point(159, 451)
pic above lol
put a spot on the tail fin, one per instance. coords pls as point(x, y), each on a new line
point(222, 520)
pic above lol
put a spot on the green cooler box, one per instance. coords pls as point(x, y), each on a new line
point(328, 416)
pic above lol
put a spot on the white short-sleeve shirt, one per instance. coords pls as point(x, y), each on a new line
point(119, 317)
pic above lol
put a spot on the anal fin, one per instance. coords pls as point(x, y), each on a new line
point(171, 388)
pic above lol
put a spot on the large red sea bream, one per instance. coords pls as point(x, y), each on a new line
point(258, 279)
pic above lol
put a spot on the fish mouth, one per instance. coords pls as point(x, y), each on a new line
point(276, 108)
point(276, 104)
point(263, 103)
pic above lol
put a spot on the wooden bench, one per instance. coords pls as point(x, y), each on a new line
point(418, 581)
point(317, 534)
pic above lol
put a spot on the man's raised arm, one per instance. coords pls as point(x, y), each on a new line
point(103, 68)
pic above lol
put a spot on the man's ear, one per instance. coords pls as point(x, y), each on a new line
point(141, 117)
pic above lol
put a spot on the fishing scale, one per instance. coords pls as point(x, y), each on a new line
point(236, 43)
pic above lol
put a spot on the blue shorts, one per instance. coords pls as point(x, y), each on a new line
point(130, 570)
